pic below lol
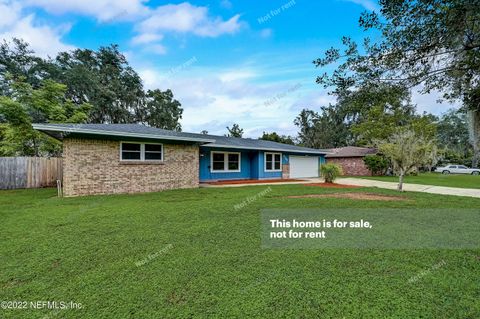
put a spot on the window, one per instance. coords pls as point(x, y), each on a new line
point(153, 152)
point(225, 162)
point(218, 161)
point(273, 162)
point(233, 161)
point(141, 152)
point(131, 152)
point(462, 167)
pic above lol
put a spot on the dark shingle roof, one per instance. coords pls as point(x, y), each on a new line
point(142, 131)
point(351, 151)
point(121, 130)
point(250, 143)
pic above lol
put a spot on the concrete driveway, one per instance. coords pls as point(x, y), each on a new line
point(469, 192)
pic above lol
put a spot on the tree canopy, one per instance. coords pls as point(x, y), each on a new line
point(103, 78)
point(433, 45)
point(362, 116)
point(323, 130)
point(48, 103)
point(162, 110)
point(275, 137)
point(235, 131)
point(80, 86)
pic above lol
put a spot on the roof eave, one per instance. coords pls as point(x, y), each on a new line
point(341, 156)
point(320, 152)
point(49, 128)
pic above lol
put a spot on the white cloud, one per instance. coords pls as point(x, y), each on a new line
point(149, 78)
point(151, 42)
point(9, 13)
point(431, 102)
point(147, 38)
point(215, 98)
point(370, 5)
point(152, 23)
point(103, 10)
point(187, 18)
point(229, 76)
point(43, 39)
point(157, 49)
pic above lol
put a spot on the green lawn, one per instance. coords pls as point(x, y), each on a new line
point(451, 180)
point(208, 262)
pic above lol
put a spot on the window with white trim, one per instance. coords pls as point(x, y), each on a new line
point(273, 162)
point(131, 151)
point(225, 162)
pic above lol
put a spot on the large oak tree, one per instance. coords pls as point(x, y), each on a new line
point(101, 79)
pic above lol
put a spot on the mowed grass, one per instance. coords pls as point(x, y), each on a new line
point(451, 180)
point(207, 261)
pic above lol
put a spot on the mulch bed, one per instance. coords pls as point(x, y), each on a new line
point(356, 196)
point(253, 181)
point(332, 185)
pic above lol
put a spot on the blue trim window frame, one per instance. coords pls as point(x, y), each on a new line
point(230, 161)
point(141, 152)
point(272, 162)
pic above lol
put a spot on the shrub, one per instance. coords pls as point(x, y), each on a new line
point(330, 172)
point(377, 164)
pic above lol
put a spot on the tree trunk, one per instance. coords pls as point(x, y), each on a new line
point(400, 180)
point(474, 129)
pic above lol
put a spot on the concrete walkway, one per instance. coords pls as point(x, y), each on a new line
point(455, 191)
point(300, 181)
point(469, 192)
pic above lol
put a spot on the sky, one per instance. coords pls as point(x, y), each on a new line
point(226, 61)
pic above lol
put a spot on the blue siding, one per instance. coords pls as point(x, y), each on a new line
point(252, 165)
point(261, 169)
point(206, 174)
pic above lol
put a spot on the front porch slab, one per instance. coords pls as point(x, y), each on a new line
point(252, 182)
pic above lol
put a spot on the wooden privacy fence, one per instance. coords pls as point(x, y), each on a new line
point(29, 172)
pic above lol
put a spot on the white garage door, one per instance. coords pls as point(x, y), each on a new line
point(303, 166)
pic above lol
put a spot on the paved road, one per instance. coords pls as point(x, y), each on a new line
point(470, 192)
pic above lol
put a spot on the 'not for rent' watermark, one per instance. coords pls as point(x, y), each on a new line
point(275, 12)
point(151, 257)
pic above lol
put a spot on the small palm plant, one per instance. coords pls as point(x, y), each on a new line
point(330, 172)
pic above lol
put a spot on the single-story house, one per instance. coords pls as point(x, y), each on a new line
point(350, 158)
point(130, 158)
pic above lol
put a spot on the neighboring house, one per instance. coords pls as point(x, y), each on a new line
point(130, 158)
point(350, 158)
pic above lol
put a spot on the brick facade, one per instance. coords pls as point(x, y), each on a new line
point(352, 166)
point(94, 167)
point(285, 171)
